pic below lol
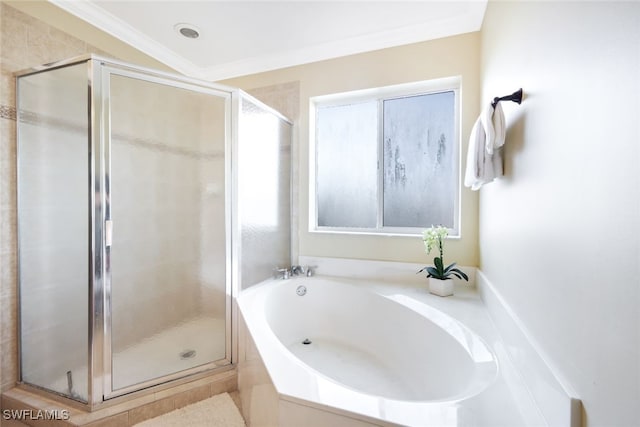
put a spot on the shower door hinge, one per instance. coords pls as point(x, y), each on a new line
point(108, 232)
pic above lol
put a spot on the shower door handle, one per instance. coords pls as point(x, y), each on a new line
point(108, 232)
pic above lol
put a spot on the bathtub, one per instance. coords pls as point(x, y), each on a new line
point(354, 352)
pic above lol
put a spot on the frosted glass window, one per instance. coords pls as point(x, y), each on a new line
point(346, 177)
point(387, 161)
point(419, 166)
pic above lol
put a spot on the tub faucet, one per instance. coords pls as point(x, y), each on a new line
point(300, 270)
point(297, 269)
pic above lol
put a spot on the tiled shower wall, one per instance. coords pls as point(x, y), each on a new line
point(24, 42)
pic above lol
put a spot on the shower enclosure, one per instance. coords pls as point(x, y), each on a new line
point(131, 229)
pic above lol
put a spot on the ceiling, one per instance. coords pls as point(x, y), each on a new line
point(246, 37)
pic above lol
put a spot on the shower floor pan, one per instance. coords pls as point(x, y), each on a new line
point(190, 344)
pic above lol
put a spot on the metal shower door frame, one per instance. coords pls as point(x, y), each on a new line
point(101, 382)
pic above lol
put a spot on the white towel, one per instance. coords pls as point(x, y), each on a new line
point(484, 156)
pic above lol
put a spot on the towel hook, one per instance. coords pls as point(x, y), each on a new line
point(515, 97)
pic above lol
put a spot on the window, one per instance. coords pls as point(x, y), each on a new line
point(386, 160)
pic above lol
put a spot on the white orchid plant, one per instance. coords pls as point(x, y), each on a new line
point(433, 237)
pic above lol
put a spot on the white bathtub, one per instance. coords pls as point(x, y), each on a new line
point(377, 355)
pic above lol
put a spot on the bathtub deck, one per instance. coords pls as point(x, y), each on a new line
point(292, 394)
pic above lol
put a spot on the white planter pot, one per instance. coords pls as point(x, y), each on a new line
point(442, 288)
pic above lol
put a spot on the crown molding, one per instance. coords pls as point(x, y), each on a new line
point(119, 29)
point(470, 22)
point(87, 11)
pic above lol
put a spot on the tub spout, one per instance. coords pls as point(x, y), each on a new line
point(297, 269)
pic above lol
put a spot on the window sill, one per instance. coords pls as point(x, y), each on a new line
point(381, 233)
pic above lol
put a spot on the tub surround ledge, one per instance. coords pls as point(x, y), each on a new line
point(553, 395)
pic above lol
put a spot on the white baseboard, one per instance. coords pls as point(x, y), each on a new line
point(555, 399)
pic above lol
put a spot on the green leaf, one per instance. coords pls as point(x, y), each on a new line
point(460, 274)
point(449, 267)
point(433, 273)
point(438, 262)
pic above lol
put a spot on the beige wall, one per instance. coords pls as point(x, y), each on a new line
point(422, 61)
point(559, 235)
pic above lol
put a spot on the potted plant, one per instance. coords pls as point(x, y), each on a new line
point(440, 282)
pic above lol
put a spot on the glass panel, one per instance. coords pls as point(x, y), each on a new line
point(346, 165)
point(419, 162)
point(265, 192)
point(168, 264)
point(53, 181)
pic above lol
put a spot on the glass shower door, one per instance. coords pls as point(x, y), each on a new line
point(54, 239)
point(166, 217)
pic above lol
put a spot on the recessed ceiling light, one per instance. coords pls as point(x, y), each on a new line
point(187, 30)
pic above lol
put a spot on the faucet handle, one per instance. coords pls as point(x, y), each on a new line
point(282, 273)
point(310, 271)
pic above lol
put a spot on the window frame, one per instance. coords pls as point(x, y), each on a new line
point(379, 95)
